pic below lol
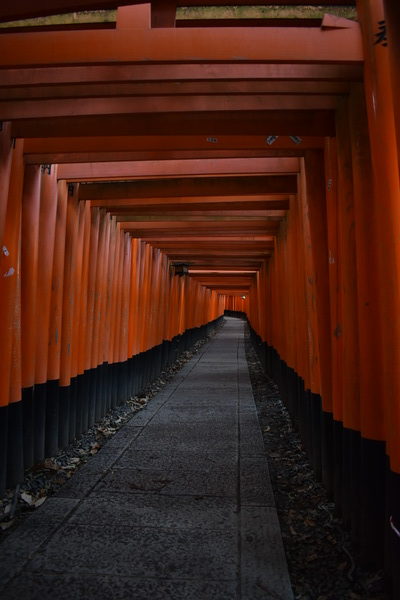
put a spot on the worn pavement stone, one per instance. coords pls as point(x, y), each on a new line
point(178, 504)
point(32, 586)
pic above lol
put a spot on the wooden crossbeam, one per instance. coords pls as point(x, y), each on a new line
point(190, 186)
point(176, 45)
point(168, 168)
point(192, 73)
point(209, 124)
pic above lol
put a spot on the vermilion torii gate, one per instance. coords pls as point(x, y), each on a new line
point(266, 158)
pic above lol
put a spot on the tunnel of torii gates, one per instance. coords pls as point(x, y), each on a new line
point(263, 157)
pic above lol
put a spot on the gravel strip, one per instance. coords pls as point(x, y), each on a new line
point(321, 561)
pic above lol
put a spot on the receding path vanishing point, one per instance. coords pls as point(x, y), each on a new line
point(177, 505)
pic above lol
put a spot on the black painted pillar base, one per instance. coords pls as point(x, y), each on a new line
point(327, 452)
point(79, 405)
point(100, 396)
point(114, 384)
point(73, 409)
point(52, 418)
point(337, 465)
point(3, 447)
point(64, 415)
point(130, 376)
point(303, 421)
point(392, 552)
point(92, 389)
point(83, 396)
point(108, 385)
point(351, 498)
point(316, 435)
point(372, 507)
point(122, 383)
point(15, 453)
point(28, 425)
point(39, 401)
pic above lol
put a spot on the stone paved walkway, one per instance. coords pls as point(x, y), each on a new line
point(176, 505)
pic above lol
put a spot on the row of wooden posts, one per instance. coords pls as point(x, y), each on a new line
point(76, 293)
point(325, 317)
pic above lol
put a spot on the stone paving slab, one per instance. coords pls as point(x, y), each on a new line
point(139, 552)
point(178, 504)
point(255, 483)
point(82, 482)
point(164, 458)
point(32, 586)
point(262, 575)
point(151, 510)
point(201, 415)
point(206, 401)
point(211, 482)
point(190, 432)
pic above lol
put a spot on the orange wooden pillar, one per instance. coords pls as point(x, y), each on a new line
point(370, 366)
point(392, 22)
point(47, 224)
point(66, 399)
point(6, 153)
point(347, 327)
point(391, 30)
point(152, 316)
point(164, 311)
point(148, 329)
point(144, 292)
point(75, 390)
point(11, 449)
point(169, 316)
point(181, 305)
point(133, 297)
point(173, 317)
point(112, 366)
point(158, 312)
point(29, 267)
point(189, 294)
point(98, 318)
point(386, 190)
point(90, 315)
point(125, 293)
point(144, 296)
point(117, 259)
point(311, 245)
point(106, 396)
point(315, 181)
point(333, 410)
point(78, 330)
point(302, 366)
point(55, 324)
point(133, 314)
point(83, 366)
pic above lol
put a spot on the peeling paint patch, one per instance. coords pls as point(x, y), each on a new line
point(5, 251)
point(10, 272)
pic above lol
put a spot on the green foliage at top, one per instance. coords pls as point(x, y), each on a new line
point(264, 12)
point(197, 12)
point(90, 16)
